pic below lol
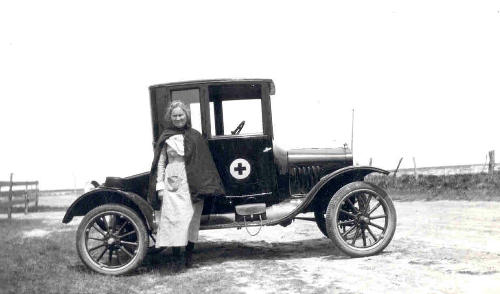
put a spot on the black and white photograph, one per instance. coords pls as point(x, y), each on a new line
point(249, 146)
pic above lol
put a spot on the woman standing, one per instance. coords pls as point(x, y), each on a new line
point(185, 173)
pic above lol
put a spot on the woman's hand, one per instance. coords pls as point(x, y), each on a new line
point(173, 183)
point(160, 194)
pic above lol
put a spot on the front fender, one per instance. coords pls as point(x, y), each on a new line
point(327, 186)
point(100, 196)
point(356, 173)
point(330, 183)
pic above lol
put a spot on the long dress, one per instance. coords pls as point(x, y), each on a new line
point(180, 217)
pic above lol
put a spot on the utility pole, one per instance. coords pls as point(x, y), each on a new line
point(352, 133)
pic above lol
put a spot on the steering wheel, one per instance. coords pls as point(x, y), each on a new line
point(238, 128)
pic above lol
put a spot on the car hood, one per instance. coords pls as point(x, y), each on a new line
point(326, 158)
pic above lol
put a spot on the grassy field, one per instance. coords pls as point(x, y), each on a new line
point(40, 256)
point(471, 187)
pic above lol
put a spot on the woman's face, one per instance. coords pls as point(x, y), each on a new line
point(178, 117)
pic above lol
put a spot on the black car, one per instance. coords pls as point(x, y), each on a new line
point(265, 185)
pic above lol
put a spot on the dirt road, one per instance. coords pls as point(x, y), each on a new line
point(439, 247)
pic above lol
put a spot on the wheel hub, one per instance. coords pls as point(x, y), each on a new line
point(364, 220)
point(111, 241)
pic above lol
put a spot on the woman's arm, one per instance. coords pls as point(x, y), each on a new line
point(160, 178)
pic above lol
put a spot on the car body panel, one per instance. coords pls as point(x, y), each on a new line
point(354, 173)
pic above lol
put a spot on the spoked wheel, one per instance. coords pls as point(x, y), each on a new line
point(361, 219)
point(112, 239)
point(320, 217)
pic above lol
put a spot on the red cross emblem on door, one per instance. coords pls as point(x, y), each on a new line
point(240, 168)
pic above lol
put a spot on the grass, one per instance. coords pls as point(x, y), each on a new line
point(50, 264)
point(471, 187)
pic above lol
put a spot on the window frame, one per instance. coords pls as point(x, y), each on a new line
point(265, 100)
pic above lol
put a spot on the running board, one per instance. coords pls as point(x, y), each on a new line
point(276, 214)
point(282, 213)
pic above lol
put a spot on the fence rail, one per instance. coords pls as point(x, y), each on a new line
point(24, 192)
point(61, 192)
point(448, 170)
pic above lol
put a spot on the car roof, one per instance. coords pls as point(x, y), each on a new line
point(218, 82)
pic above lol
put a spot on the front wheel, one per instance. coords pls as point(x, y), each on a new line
point(361, 219)
point(112, 239)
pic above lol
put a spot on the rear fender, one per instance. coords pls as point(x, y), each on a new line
point(100, 196)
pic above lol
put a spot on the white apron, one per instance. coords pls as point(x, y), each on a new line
point(180, 218)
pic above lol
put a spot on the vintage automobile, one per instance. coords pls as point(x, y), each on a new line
point(265, 185)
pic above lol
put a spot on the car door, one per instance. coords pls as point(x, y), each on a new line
point(243, 155)
point(246, 167)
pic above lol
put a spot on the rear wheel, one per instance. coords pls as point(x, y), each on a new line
point(112, 239)
point(361, 219)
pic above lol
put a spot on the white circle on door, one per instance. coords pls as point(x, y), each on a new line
point(240, 168)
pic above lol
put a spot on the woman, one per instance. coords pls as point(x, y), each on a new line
point(183, 172)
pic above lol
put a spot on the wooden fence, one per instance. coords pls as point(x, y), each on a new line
point(488, 167)
point(61, 192)
point(13, 193)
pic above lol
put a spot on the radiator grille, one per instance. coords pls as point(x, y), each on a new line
point(303, 178)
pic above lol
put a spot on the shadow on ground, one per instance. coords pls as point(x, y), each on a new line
point(217, 252)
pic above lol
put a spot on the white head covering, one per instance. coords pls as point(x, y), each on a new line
point(176, 142)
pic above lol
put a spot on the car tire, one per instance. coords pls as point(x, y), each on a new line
point(365, 229)
point(112, 239)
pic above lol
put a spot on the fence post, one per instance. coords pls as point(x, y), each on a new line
point(36, 197)
point(26, 199)
point(395, 172)
point(491, 165)
point(9, 211)
point(415, 168)
point(394, 180)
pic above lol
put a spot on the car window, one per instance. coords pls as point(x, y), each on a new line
point(195, 116)
point(191, 97)
point(236, 111)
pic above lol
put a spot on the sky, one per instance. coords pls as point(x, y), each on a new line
point(422, 78)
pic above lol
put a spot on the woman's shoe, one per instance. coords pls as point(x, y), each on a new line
point(177, 262)
point(178, 265)
point(188, 259)
point(188, 255)
point(176, 252)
